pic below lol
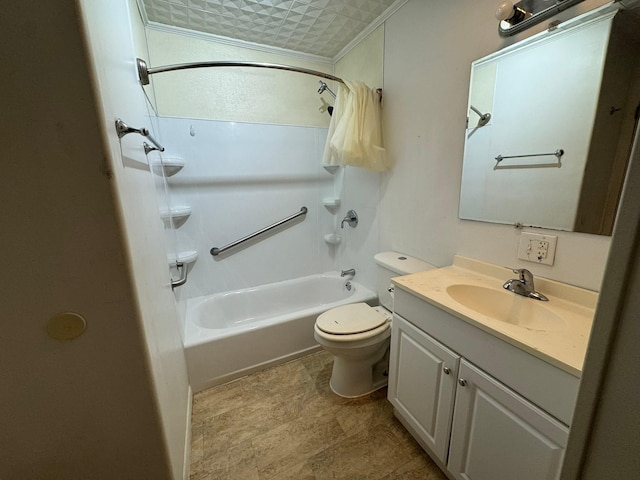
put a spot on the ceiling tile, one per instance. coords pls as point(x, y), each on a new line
point(319, 27)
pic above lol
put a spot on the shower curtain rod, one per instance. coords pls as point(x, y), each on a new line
point(144, 71)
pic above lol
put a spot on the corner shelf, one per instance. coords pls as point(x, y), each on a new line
point(179, 215)
point(168, 166)
point(332, 239)
point(185, 257)
point(331, 202)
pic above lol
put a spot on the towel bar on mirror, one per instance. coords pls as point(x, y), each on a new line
point(558, 154)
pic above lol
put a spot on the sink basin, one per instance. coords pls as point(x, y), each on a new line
point(507, 307)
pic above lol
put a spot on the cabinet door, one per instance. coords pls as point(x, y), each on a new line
point(422, 382)
point(499, 435)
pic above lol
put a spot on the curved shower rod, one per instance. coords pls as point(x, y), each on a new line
point(144, 71)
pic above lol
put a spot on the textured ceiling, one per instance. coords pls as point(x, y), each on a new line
point(318, 27)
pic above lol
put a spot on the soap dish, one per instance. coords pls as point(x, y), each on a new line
point(332, 239)
point(331, 202)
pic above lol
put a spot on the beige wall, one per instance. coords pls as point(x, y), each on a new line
point(234, 94)
point(365, 62)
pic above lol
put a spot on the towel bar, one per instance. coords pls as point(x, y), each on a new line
point(558, 154)
point(123, 129)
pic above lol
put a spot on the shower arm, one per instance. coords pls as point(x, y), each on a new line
point(324, 87)
point(484, 117)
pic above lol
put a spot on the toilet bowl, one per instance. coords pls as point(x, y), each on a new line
point(358, 335)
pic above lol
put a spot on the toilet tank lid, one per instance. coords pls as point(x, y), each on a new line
point(401, 264)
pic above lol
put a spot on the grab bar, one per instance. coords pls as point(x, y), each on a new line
point(216, 251)
point(123, 129)
point(182, 269)
point(558, 154)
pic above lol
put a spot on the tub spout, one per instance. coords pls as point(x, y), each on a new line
point(351, 271)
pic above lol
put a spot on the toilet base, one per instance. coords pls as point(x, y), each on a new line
point(351, 379)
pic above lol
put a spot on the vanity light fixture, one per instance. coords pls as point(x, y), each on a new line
point(517, 17)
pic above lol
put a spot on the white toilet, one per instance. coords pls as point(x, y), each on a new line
point(358, 335)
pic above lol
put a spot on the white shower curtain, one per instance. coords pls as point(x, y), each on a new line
point(355, 131)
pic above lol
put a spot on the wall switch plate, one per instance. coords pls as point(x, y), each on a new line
point(537, 248)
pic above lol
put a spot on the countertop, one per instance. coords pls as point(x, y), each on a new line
point(564, 346)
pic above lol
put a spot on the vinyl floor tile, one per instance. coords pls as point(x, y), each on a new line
point(285, 423)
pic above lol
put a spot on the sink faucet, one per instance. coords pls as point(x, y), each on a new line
point(351, 271)
point(524, 285)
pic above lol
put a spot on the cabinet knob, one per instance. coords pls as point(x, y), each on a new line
point(462, 382)
point(446, 370)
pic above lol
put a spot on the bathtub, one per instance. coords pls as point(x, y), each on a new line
point(232, 334)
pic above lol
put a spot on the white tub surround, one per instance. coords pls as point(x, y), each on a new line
point(231, 334)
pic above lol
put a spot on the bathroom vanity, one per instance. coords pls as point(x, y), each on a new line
point(484, 379)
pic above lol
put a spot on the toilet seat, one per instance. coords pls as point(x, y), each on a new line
point(353, 322)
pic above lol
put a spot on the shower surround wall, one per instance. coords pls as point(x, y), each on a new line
point(237, 179)
point(241, 177)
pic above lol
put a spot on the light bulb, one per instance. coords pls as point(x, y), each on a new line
point(504, 11)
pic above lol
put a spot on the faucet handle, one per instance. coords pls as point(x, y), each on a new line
point(351, 219)
point(525, 275)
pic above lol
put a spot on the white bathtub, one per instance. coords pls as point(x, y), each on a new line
point(231, 334)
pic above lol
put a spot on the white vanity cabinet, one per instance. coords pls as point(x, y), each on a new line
point(484, 409)
point(497, 434)
point(422, 384)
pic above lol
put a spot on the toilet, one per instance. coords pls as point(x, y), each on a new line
point(358, 335)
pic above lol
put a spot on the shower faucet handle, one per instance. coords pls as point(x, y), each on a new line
point(351, 219)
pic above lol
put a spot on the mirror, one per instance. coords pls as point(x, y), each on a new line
point(550, 126)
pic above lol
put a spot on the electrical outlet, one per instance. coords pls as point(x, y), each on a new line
point(537, 248)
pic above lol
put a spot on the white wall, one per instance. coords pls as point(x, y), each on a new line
point(429, 47)
point(109, 29)
point(86, 408)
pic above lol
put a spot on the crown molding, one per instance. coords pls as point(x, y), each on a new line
point(384, 16)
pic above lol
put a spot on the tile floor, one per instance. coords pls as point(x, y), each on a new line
point(285, 423)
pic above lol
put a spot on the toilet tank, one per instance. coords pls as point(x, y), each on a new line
point(394, 264)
